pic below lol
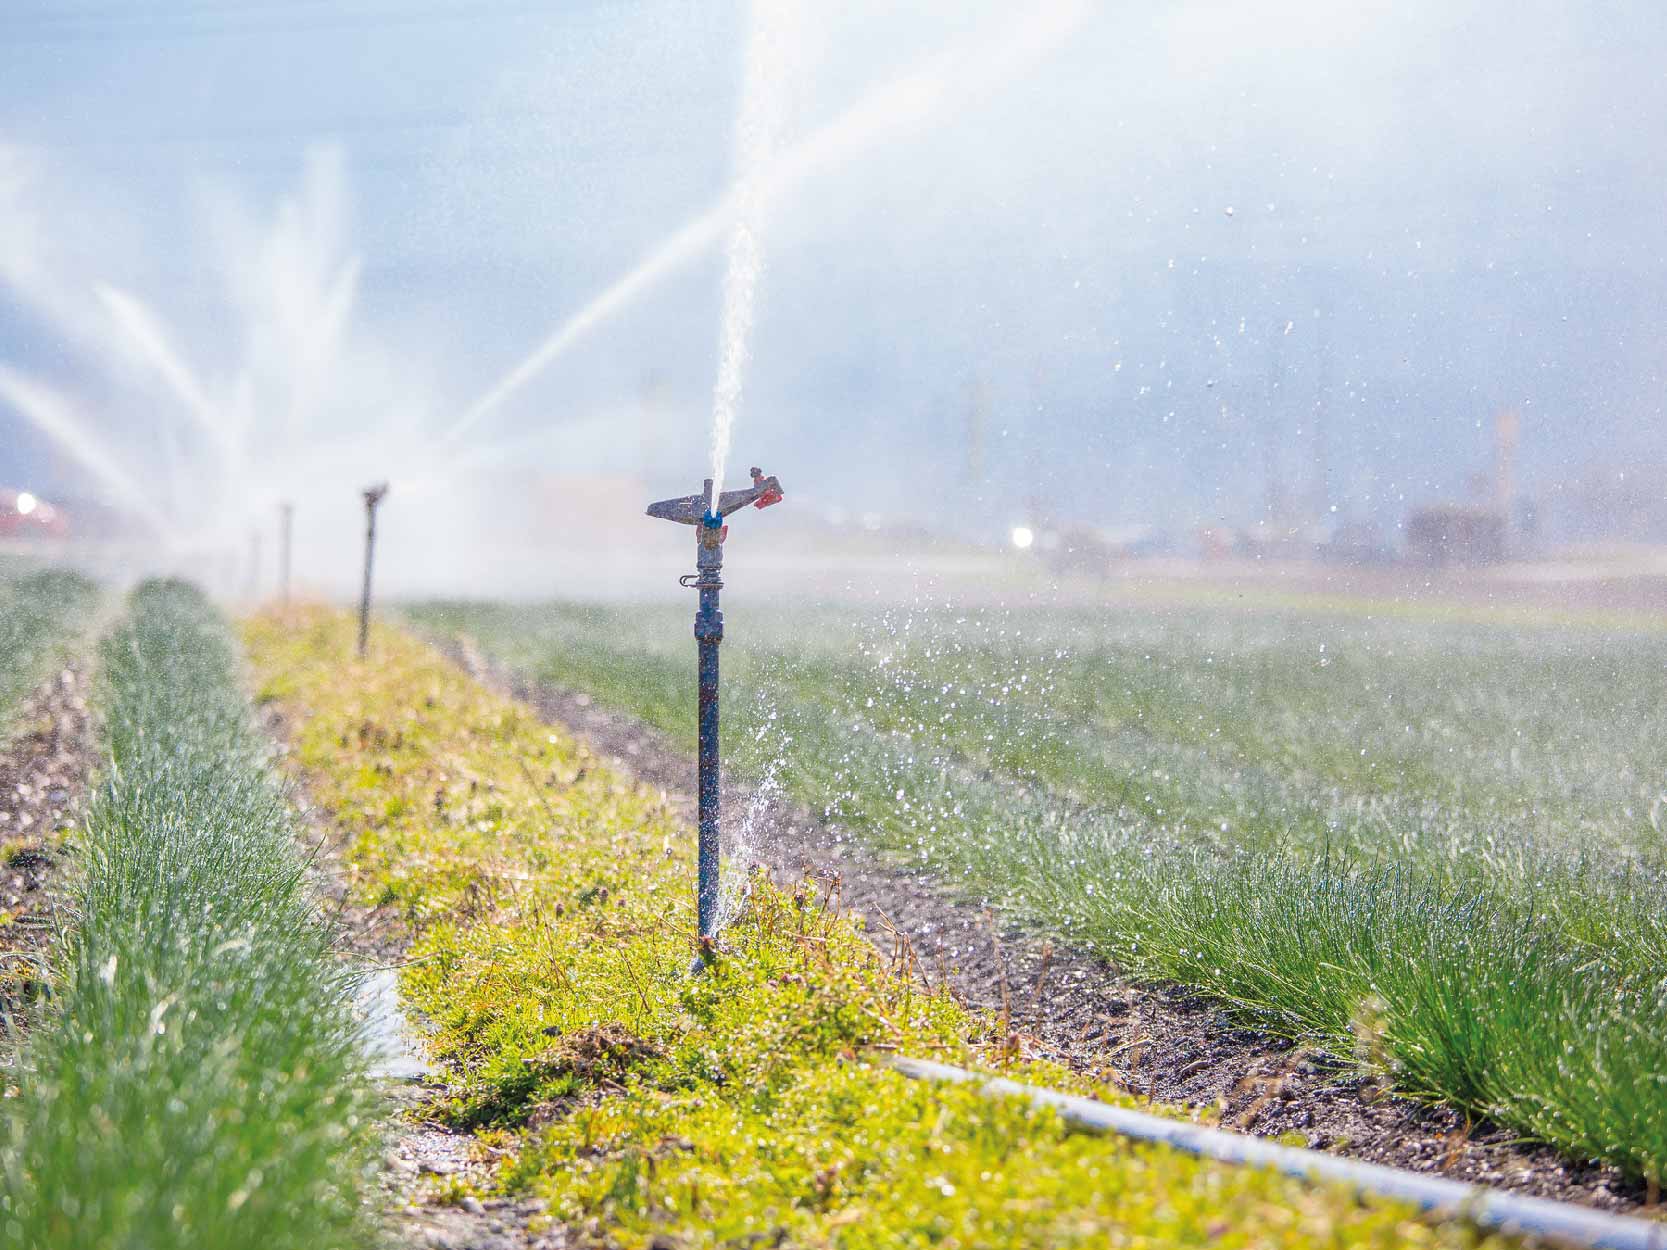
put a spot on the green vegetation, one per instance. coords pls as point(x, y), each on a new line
point(195, 1081)
point(1436, 848)
point(38, 612)
point(550, 905)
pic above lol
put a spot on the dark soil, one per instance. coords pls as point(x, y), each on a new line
point(44, 769)
point(1160, 1041)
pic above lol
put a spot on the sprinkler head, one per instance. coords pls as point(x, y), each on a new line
point(692, 509)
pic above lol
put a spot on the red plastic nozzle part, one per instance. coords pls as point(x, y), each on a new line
point(769, 496)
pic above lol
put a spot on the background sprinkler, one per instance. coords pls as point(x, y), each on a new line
point(373, 496)
point(710, 532)
point(286, 523)
point(252, 593)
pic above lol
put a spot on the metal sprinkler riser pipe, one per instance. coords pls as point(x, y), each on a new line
point(286, 525)
point(374, 495)
point(710, 532)
point(709, 632)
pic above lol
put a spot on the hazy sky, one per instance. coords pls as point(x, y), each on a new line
point(1167, 238)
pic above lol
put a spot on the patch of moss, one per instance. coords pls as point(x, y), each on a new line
point(552, 905)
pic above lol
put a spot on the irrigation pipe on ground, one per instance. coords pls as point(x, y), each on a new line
point(1488, 1208)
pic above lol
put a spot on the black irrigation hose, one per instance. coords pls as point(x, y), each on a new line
point(1509, 1213)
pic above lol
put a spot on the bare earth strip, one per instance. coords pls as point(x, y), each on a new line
point(423, 1155)
point(1161, 1041)
point(44, 770)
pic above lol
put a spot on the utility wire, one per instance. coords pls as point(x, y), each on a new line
point(413, 124)
point(163, 25)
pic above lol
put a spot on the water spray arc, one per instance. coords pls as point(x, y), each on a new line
point(969, 71)
point(374, 495)
point(707, 516)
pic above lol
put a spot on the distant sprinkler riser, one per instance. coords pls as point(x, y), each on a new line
point(286, 527)
point(706, 515)
point(252, 593)
point(374, 495)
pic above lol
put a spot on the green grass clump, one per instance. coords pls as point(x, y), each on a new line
point(1437, 849)
point(550, 905)
point(196, 1080)
point(39, 612)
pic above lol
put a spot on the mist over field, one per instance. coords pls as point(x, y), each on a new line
point(1178, 504)
point(1166, 267)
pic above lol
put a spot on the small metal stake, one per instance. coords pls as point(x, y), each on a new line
point(286, 523)
point(710, 532)
point(373, 496)
point(253, 592)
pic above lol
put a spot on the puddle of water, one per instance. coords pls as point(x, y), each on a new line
point(394, 1048)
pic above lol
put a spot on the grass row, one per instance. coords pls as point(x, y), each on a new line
point(38, 611)
point(1435, 850)
point(195, 1080)
point(550, 906)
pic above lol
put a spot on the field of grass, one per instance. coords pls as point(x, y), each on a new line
point(195, 1079)
point(550, 903)
point(1438, 849)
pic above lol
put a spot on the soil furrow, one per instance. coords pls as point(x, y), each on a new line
point(423, 1154)
point(44, 771)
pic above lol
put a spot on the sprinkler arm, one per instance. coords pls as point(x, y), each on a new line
point(691, 509)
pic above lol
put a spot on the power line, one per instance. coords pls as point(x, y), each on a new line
point(56, 12)
point(278, 129)
point(163, 25)
point(45, 16)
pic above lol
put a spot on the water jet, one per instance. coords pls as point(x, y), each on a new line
point(706, 513)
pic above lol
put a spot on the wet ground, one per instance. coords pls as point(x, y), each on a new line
point(44, 770)
point(1161, 1042)
point(424, 1158)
